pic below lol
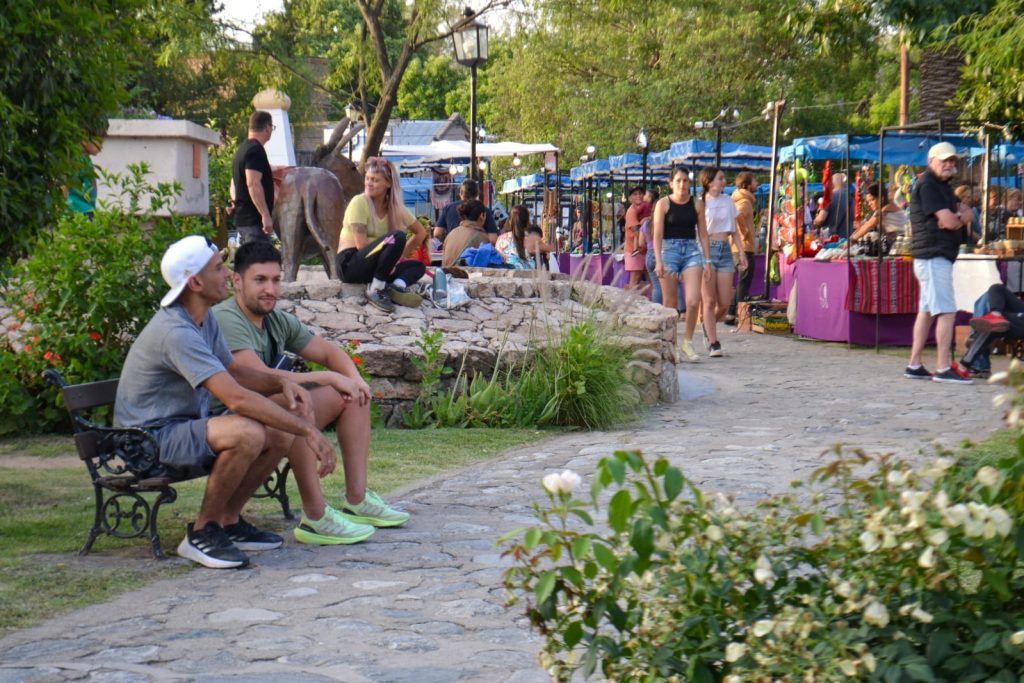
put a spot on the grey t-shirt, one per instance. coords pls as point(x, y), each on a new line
point(161, 378)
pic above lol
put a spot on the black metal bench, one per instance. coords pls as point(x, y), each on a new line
point(124, 465)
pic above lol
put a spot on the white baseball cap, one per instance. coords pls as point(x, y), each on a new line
point(182, 260)
point(942, 151)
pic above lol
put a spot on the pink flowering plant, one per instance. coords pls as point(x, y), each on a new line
point(874, 570)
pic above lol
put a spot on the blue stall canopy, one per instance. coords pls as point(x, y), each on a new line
point(532, 181)
point(901, 149)
point(735, 156)
point(598, 168)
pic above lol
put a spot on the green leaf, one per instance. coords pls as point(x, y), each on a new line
point(698, 672)
point(987, 641)
point(619, 510)
point(581, 546)
point(617, 469)
point(606, 557)
point(642, 538)
point(817, 523)
point(532, 538)
point(997, 581)
point(673, 482)
point(573, 634)
point(940, 646)
point(545, 586)
point(920, 671)
point(572, 575)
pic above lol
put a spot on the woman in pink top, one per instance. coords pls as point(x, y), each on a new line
point(720, 217)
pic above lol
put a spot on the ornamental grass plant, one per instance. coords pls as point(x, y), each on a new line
point(875, 570)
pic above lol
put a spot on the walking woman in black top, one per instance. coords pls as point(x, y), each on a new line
point(681, 250)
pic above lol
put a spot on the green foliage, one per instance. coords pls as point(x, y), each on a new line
point(220, 171)
point(888, 573)
point(86, 290)
point(596, 72)
point(64, 69)
point(992, 88)
point(431, 89)
point(578, 380)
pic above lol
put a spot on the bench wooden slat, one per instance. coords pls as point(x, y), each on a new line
point(92, 395)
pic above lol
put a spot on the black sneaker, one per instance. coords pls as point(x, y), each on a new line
point(381, 300)
point(211, 547)
point(715, 350)
point(403, 296)
point(917, 373)
point(951, 376)
point(247, 537)
point(730, 320)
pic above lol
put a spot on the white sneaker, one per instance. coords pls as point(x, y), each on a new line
point(686, 348)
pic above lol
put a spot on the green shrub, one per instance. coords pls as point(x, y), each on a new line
point(577, 381)
point(894, 575)
point(87, 288)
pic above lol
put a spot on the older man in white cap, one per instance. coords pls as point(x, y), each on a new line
point(938, 232)
point(178, 360)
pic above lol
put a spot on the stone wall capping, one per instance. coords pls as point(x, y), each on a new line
point(511, 314)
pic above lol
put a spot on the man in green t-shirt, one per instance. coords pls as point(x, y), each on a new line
point(258, 335)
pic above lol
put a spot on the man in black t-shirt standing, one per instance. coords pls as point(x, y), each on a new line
point(938, 230)
point(252, 182)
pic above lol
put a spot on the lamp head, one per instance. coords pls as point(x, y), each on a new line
point(641, 139)
point(591, 150)
point(516, 161)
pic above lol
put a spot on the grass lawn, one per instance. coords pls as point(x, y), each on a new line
point(46, 507)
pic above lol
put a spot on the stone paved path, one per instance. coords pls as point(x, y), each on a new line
point(423, 604)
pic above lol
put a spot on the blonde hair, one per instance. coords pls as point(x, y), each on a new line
point(392, 207)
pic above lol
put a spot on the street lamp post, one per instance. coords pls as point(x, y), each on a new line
point(643, 143)
point(718, 124)
point(470, 43)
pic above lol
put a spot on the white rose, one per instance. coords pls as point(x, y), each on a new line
point(1017, 638)
point(921, 615)
point(552, 483)
point(844, 589)
point(876, 614)
point(869, 662)
point(763, 572)
point(1000, 520)
point(869, 542)
point(941, 499)
point(998, 378)
point(955, 516)
point(927, 559)
point(896, 478)
point(734, 651)
point(570, 480)
point(937, 537)
point(763, 627)
point(988, 476)
point(848, 668)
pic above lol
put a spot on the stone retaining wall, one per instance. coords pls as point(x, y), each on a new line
point(511, 312)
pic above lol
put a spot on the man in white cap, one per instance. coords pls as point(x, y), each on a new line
point(938, 232)
point(178, 360)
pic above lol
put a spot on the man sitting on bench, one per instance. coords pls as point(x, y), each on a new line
point(177, 361)
point(258, 334)
point(1005, 317)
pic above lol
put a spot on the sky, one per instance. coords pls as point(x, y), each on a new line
point(247, 12)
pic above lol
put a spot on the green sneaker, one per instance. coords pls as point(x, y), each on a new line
point(334, 528)
point(375, 511)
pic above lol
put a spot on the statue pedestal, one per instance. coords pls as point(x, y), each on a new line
point(175, 151)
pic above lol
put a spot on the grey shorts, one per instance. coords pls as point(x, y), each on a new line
point(183, 446)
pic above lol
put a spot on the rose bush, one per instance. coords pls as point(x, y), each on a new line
point(899, 574)
point(82, 295)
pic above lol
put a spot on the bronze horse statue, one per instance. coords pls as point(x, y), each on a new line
point(311, 202)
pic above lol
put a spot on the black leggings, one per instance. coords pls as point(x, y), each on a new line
point(359, 266)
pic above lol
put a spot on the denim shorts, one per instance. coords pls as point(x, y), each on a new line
point(721, 257)
point(678, 255)
point(935, 278)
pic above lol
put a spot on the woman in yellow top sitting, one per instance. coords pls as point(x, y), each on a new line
point(372, 240)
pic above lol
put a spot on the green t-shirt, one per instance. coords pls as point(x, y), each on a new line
point(281, 332)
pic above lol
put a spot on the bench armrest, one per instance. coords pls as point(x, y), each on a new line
point(121, 450)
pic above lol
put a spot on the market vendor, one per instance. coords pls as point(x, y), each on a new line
point(894, 221)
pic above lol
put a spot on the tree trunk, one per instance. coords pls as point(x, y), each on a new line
point(940, 78)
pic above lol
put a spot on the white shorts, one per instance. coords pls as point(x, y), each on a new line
point(935, 278)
